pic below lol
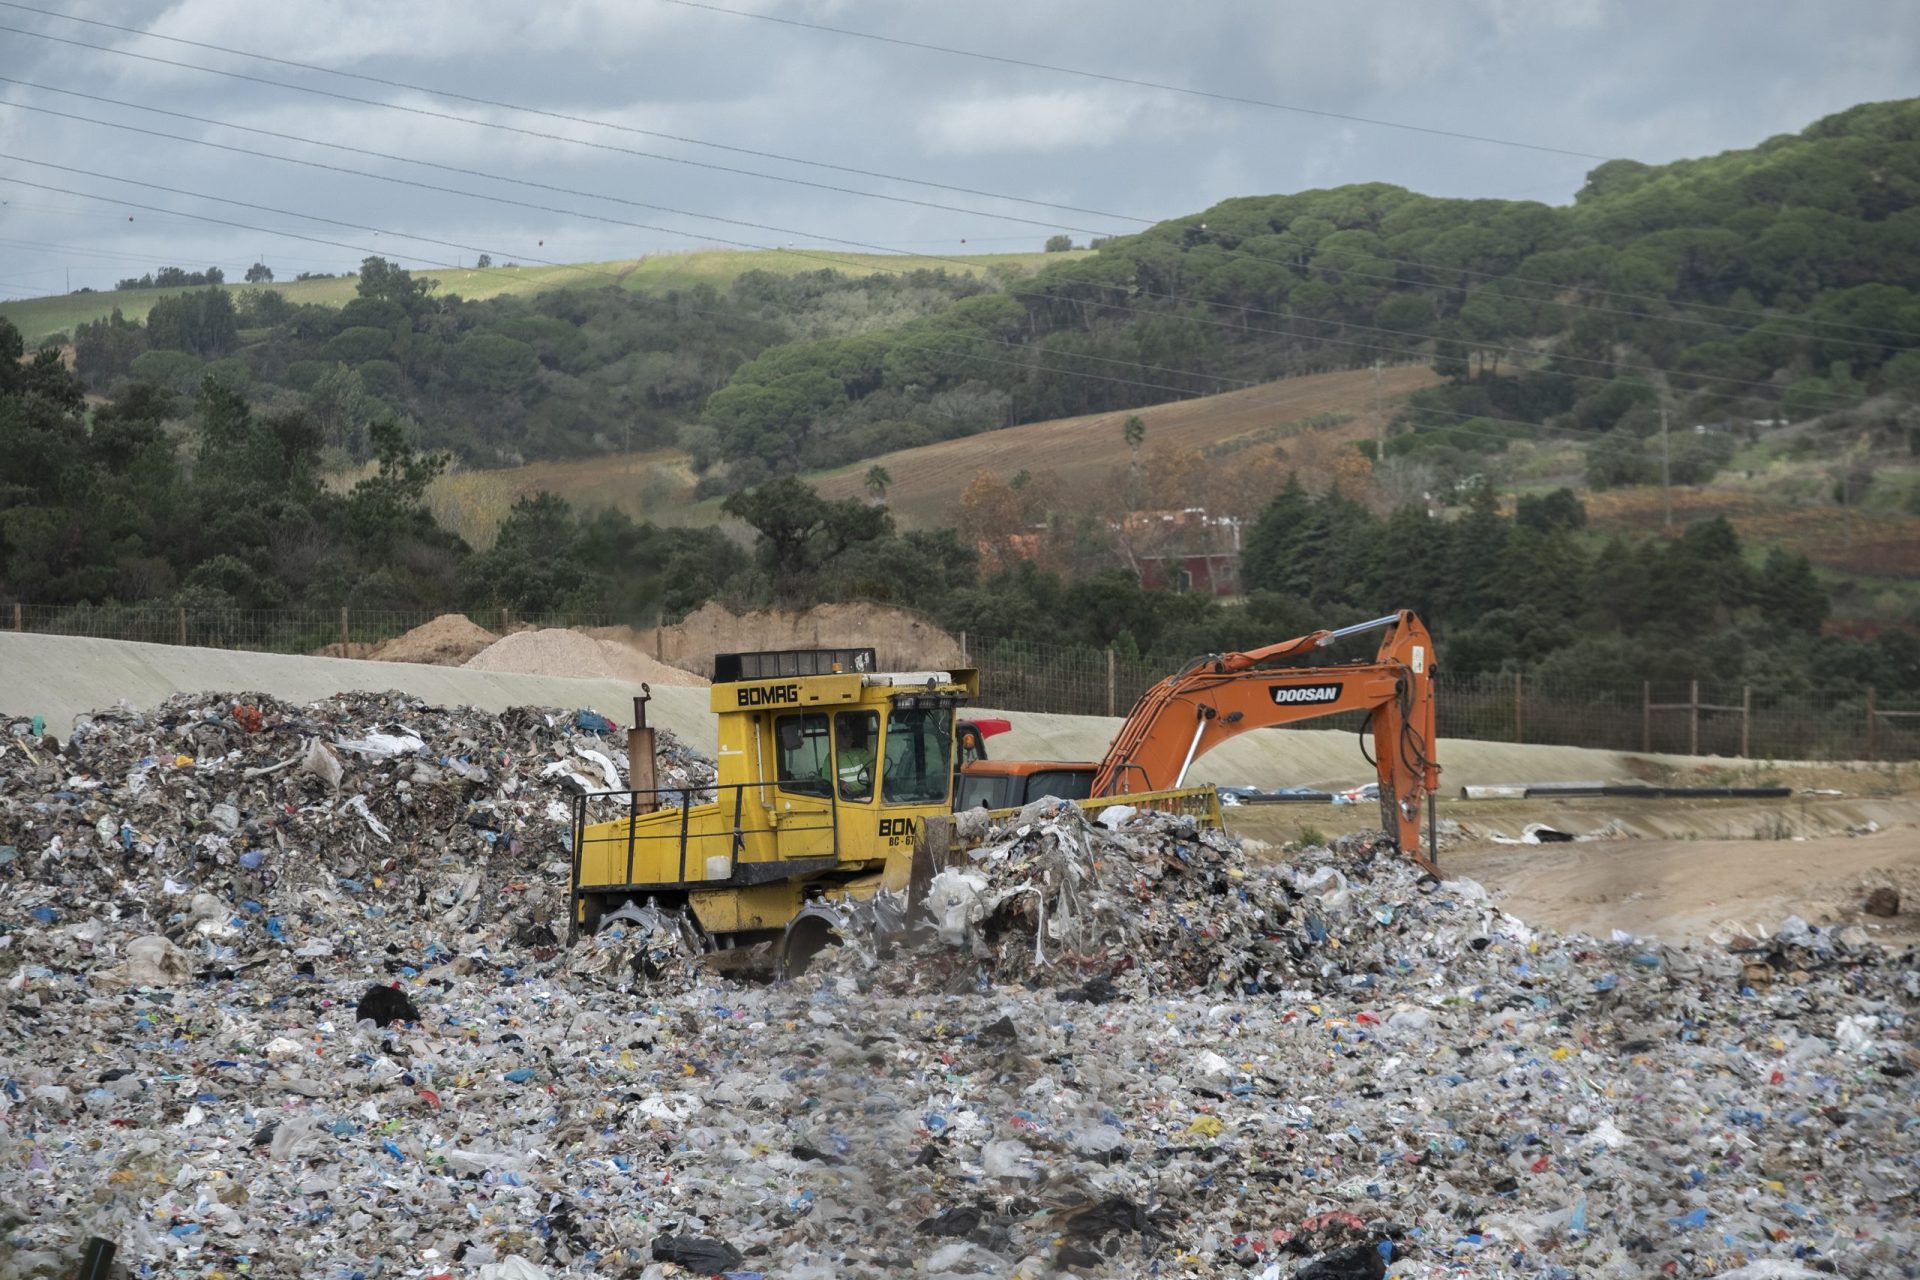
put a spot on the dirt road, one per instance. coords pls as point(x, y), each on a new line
point(1678, 890)
point(1676, 870)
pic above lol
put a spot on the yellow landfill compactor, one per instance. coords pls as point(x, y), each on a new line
point(826, 769)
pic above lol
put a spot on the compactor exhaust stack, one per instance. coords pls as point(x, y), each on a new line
point(640, 758)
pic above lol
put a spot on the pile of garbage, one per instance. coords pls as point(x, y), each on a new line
point(1121, 1047)
point(367, 795)
point(1140, 902)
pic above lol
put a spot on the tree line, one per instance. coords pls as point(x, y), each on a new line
point(494, 381)
point(117, 504)
point(174, 278)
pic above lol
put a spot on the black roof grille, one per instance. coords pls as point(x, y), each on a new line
point(775, 664)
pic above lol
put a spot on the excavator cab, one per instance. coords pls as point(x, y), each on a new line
point(1012, 784)
point(826, 768)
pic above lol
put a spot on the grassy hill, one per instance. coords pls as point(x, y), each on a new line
point(657, 273)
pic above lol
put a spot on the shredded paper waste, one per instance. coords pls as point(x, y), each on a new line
point(285, 995)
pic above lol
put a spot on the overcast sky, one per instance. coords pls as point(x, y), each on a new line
point(1637, 78)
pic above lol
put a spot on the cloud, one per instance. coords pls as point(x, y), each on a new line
point(1058, 120)
point(347, 32)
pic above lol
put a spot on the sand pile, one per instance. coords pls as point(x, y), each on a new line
point(904, 640)
point(448, 641)
point(558, 652)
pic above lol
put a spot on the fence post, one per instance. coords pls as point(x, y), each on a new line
point(1646, 715)
point(965, 660)
point(1873, 724)
point(503, 619)
point(1746, 721)
point(17, 619)
point(659, 643)
point(344, 632)
point(181, 619)
point(1693, 719)
point(1111, 710)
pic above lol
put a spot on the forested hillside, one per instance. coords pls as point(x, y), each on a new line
point(497, 380)
point(1756, 284)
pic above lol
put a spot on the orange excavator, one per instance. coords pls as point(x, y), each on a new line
point(1221, 696)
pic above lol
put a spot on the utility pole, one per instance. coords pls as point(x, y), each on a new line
point(1666, 462)
point(1845, 491)
point(1379, 418)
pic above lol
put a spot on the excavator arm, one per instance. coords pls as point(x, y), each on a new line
point(1224, 695)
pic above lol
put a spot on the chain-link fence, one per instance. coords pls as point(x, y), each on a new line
point(1024, 675)
point(331, 631)
point(1691, 719)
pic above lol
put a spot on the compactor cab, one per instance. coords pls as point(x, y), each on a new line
point(826, 767)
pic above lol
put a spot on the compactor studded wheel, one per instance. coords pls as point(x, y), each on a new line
point(806, 938)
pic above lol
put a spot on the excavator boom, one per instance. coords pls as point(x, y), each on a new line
point(1224, 695)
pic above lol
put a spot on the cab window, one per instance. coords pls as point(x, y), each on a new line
point(802, 753)
point(983, 791)
point(856, 753)
point(973, 744)
point(919, 760)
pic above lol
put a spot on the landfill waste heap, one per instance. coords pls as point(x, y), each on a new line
point(283, 995)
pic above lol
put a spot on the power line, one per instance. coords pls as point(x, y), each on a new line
point(1395, 348)
point(400, 159)
point(44, 247)
point(454, 191)
point(292, 235)
point(405, 236)
point(536, 133)
point(1237, 99)
point(562, 115)
point(1518, 352)
point(1428, 266)
point(1030, 366)
point(877, 248)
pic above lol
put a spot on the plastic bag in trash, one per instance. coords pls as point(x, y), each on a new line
point(153, 961)
point(697, 1254)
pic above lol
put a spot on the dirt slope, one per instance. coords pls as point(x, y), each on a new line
point(927, 481)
